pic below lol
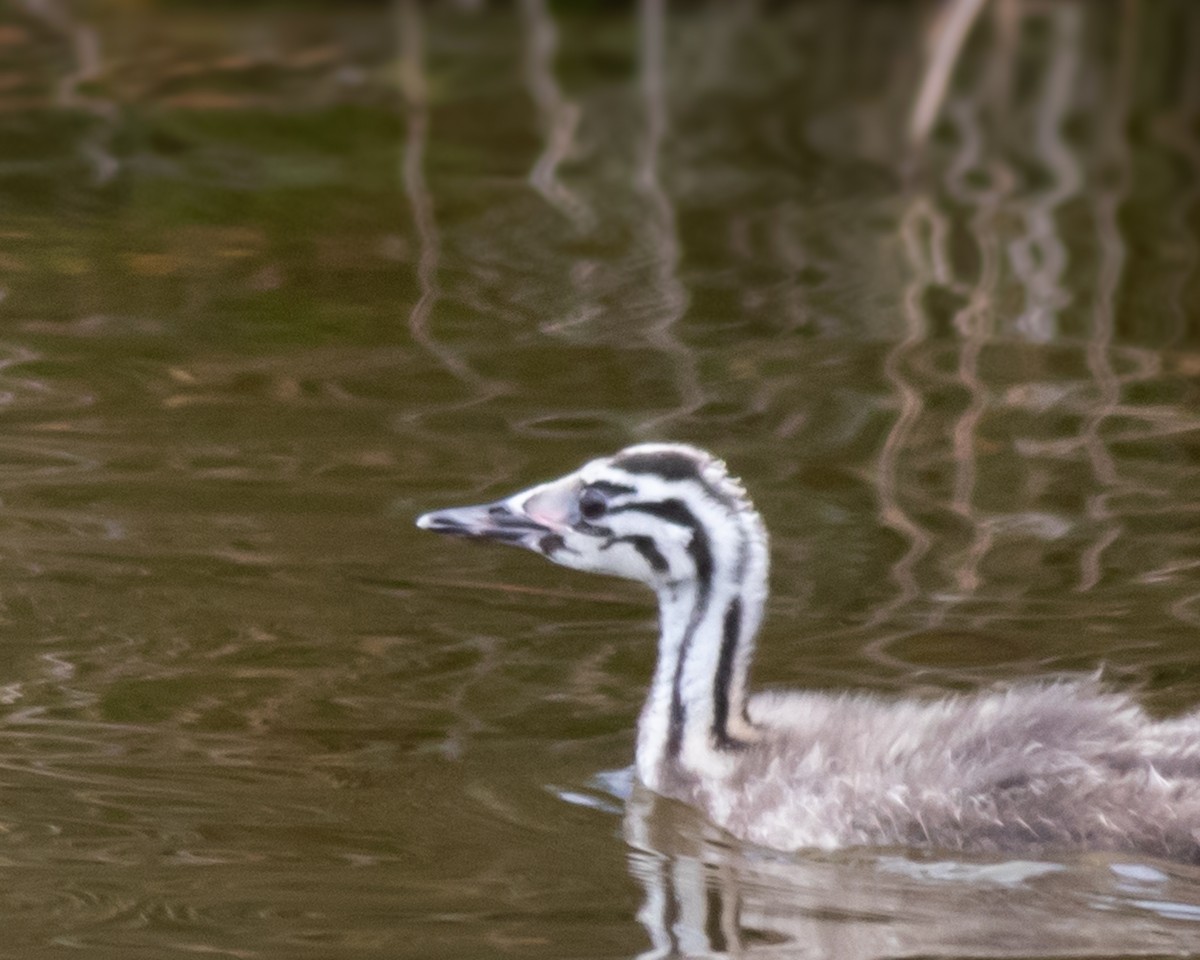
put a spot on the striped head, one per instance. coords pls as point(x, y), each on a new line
point(672, 517)
point(667, 515)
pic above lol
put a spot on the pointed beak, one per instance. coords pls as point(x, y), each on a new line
point(535, 519)
point(488, 521)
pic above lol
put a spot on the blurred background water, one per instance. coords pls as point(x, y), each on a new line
point(276, 277)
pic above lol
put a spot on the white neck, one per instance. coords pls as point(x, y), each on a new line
point(694, 719)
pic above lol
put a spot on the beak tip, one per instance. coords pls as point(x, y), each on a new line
point(439, 521)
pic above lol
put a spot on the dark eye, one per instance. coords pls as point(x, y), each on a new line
point(592, 504)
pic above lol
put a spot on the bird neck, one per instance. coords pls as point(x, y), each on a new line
point(694, 720)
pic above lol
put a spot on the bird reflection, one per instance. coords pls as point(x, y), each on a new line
point(704, 894)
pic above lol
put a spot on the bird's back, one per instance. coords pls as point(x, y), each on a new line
point(1063, 765)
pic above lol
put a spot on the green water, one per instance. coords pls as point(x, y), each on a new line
point(276, 278)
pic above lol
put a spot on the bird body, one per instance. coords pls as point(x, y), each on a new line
point(1061, 765)
point(1053, 766)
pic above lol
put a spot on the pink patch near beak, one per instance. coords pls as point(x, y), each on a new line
point(551, 505)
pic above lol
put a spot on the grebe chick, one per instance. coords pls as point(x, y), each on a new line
point(1055, 766)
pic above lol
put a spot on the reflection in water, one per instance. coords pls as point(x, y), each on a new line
point(1105, 203)
point(956, 21)
point(972, 322)
point(1039, 256)
point(928, 266)
point(414, 88)
point(83, 39)
point(703, 895)
point(559, 116)
point(662, 231)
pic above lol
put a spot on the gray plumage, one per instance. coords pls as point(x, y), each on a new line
point(1058, 766)
point(1055, 766)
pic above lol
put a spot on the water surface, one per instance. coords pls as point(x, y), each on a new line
point(273, 281)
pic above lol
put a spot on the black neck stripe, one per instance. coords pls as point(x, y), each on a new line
point(722, 682)
point(645, 546)
point(699, 548)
